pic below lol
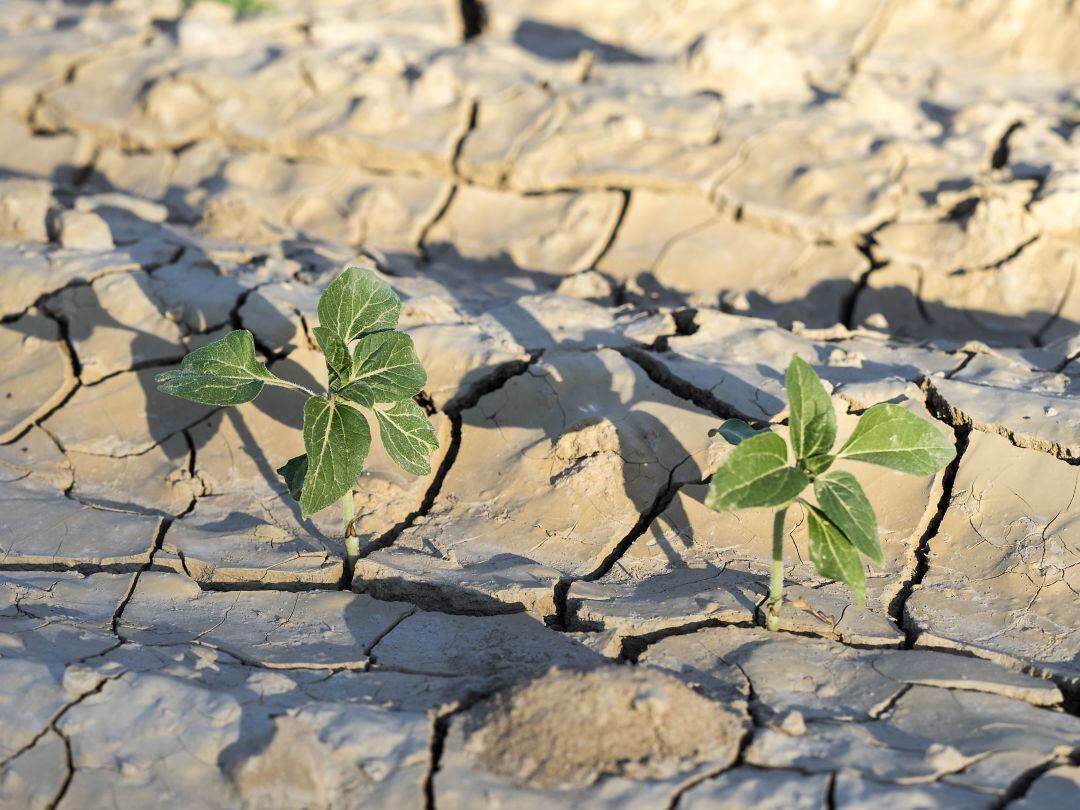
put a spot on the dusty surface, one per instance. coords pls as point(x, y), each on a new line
point(647, 734)
point(611, 225)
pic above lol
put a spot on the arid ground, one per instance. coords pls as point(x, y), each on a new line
point(612, 223)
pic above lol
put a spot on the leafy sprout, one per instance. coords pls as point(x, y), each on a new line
point(371, 368)
point(841, 524)
point(241, 6)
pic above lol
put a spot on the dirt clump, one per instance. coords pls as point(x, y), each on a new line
point(568, 729)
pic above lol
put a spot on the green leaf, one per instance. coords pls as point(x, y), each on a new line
point(337, 439)
point(408, 436)
point(892, 437)
point(293, 471)
point(811, 417)
point(385, 368)
point(755, 474)
point(816, 465)
point(359, 393)
point(832, 554)
point(844, 502)
point(356, 303)
point(225, 372)
point(338, 361)
point(734, 431)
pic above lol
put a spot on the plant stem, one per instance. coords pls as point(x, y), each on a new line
point(294, 386)
point(776, 584)
point(352, 542)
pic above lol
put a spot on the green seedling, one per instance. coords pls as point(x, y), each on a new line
point(371, 367)
point(841, 524)
point(242, 6)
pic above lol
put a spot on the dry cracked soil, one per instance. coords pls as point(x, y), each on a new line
point(612, 223)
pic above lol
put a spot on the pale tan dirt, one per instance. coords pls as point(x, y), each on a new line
point(641, 725)
point(611, 224)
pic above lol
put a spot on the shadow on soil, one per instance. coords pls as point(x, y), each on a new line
point(558, 43)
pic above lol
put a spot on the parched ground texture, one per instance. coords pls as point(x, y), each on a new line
point(612, 223)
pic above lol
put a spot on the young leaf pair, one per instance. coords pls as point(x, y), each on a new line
point(370, 366)
point(841, 524)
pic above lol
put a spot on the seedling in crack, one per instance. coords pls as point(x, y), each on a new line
point(242, 7)
point(371, 368)
point(841, 524)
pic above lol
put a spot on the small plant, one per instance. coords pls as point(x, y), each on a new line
point(242, 6)
point(842, 522)
point(369, 365)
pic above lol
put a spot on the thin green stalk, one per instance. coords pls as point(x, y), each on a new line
point(776, 584)
point(292, 385)
point(352, 542)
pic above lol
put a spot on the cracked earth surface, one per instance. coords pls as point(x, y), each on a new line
point(611, 225)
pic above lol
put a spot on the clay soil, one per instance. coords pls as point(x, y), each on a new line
point(612, 223)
